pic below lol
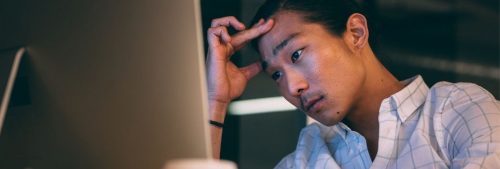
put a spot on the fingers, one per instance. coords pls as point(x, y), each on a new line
point(216, 34)
point(258, 23)
point(251, 70)
point(223, 45)
point(228, 21)
point(242, 38)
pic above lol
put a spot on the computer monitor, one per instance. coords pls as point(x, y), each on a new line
point(9, 64)
point(112, 84)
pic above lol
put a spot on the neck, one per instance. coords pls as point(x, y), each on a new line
point(379, 84)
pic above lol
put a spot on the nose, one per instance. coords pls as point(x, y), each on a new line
point(296, 82)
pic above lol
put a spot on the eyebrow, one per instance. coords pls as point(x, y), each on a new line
point(278, 48)
point(283, 43)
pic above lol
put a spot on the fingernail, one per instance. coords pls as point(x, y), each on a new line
point(260, 22)
point(265, 22)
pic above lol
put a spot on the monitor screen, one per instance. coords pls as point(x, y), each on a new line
point(113, 84)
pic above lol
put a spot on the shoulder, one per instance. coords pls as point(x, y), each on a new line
point(458, 96)
point(463, 97)
point(465, 110)
point(466, 123)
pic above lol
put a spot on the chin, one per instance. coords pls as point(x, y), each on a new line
point(328, 119)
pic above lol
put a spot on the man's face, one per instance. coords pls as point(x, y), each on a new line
point(315, 70)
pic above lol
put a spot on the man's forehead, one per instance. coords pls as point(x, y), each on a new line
point(285, 25)
point(271, 47)
point(268, 42)
point(271, 38)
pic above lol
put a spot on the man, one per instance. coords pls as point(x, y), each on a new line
point(318, 53)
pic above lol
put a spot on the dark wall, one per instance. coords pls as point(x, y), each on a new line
point(443, 40)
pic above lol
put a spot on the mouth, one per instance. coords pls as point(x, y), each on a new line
point(311, 104)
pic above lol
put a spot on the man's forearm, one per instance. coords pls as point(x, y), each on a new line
point(217, 112)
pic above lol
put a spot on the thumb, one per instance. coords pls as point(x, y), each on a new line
point(251, 70)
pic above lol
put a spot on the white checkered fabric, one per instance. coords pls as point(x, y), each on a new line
point(451, 125)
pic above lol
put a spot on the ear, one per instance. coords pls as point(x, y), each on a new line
point(356, 31)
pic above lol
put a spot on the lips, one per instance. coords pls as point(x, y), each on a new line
point(311, 102)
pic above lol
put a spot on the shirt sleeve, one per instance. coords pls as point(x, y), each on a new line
point(286, 162)
point(471, 119)
point(311, 152)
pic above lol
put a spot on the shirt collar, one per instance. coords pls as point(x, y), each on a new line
point(407, 100)
point(403, 103)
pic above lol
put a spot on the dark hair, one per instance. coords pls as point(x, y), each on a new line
point(332, 14)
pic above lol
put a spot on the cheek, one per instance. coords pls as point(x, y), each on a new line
point(343, 81)
point(321, 64)
point(351, 74)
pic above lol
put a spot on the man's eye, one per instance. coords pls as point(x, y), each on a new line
point(296, 55)
point(276, 75)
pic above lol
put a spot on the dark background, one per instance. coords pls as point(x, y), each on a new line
point(442, 40)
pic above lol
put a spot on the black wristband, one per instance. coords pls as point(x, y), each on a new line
point(216, 123)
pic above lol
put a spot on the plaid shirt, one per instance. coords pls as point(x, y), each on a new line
point(451, 125)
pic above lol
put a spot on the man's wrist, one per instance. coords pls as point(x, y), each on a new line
point(217, 111)
point(216, 124)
